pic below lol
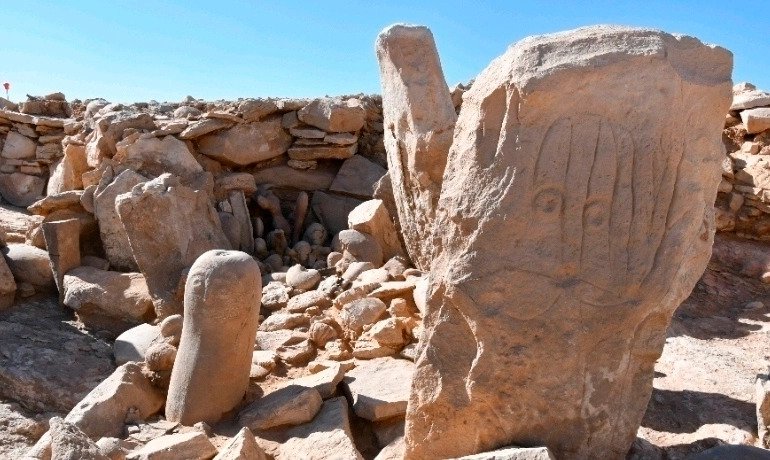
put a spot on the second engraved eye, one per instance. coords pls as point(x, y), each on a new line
point(548, 201)
point(594, 214)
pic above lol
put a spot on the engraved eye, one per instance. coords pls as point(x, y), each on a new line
point(594, 214)
point(548, 201)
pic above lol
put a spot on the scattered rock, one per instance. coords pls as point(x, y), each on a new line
point(291, 405)
point(192, 445)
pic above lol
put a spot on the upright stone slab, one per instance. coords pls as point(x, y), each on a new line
point(111, 229)
point(221, 315)
point(575, 216)
point(419, 120)
point(168, 227)
point(62, 239)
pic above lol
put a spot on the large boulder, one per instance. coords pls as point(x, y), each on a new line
point(245, 144)
point(418, 111)
point(107, 300)
point(576, 214)
point(163, 217)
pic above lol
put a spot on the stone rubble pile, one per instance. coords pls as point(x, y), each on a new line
point(743, 201)
point(272, 290)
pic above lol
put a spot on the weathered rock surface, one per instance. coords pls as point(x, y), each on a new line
point(164, 217)
point(291, 405)
point(154, 156)
point(357, 177)
point(573, 275)
point(419, 118)
point(372, 217)
point(132, 344)
point(193, 445)
point(21, 189)
point(334, 114)
point(221, 315)
point(111, 301)
point(113, 234)
point(45, 362)
point(513, 453)
point(7, 284)
point(69, 443)
point(379, 388)
point(29, 265)
point(247, 143)
point(18, 147)
point(327, 436)
point(241, 447)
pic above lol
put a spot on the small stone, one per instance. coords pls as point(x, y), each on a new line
point(363, 312)
point(321, 333)
point(302, 302)
point(275, 296)
point(278, 321)
point(301, 278)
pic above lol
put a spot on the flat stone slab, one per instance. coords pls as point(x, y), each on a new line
point(379, 388)
point(46, 362)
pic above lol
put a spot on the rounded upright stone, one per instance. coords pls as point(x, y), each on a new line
point(221, 315)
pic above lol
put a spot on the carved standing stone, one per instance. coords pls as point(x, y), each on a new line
point(221, 315)
point(575, 216)
point(419, 119)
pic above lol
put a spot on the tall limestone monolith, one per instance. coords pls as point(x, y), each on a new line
point(419, 119)
point(575, 216)
point(221, 316)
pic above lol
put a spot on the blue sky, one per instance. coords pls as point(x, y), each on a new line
point(129, 51)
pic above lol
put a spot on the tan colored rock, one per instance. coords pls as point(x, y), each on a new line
point(360, 313)
point(103, 411)
point(749, 99)
point(550, 295)
point(380, 387)
point(302, 278)
point(29, 265)
point(154, 156)
point(322, 152)
point(291, 405)
point(513, 453)
point(332, 210)
point(334, 114)
point(373, 218)
point(62, 239)
point(756, 120)
point(357, 177)
point(301, 302)
point(111, 229)
point(202, 127)
point(327, 436)
point(221, 315)
point(21, 189)
point(762, 400)
point(193, 445)
point(362, 246)
point(18, 147)
point(133, 344)
point(241, 447)
point(66, 174)
point(164, 217)
point(69, 443)
point(419, 118)
point(324, 381)
point(7, 285)
point(245, 144)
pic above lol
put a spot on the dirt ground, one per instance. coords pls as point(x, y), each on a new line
point(703, 394)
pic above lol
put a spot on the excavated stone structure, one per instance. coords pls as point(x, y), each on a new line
point(221, 316)
point(419, 120)
point(575, 215)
